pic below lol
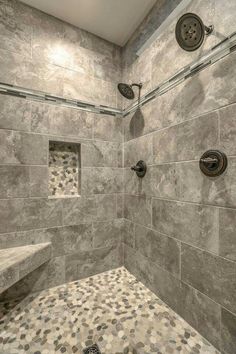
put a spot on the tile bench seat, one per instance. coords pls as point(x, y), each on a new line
point(17, 262)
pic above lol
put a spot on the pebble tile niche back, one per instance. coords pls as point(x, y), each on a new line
point(64, 169)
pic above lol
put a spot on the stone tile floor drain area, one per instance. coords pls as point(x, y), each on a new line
point(112, 310)
point(92, 350)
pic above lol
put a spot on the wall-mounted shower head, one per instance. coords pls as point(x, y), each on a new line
point(190, 32)
point(127, 90)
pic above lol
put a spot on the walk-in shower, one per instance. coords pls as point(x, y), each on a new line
point(117, 177)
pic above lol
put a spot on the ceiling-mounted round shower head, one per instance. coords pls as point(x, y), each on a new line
point(126, 91)
point(190, 32)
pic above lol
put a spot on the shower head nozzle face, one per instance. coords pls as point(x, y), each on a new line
point(126, 91)
point(190, 32)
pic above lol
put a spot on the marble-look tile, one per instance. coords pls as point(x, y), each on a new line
point(186, 141)
point(195, 224)
point(38, 176)
point(106, 206)
point(213, 276)
point(15, 28)
point(228, 331)
point(222, 84)
point(108, 128)
point(85, 264)
point(21, 71)
point(196, 187)
point(69, 239)
point(227, 230)
point(228, 129)
point(78, 209)
point(15, 113)
point(14, 181)
point(225, 24)
point(158, 280)
point(162, 181)
point(108, 233)
point(64, 240)
point(138, 209)
point(128, 233)
point(138, 149)
point(49, 119)
point(160, 249)
point(23, 148)
point(26, 214)
point(101, 180)
point(100, 154)
point(202, 313)
point(120, 205)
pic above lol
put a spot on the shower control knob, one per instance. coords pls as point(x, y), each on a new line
point(213, 163)
point(140, 168)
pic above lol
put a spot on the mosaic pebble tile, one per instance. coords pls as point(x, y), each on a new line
point(64, 168)
point(112, 310)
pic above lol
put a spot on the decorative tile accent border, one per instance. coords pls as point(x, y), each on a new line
point(64, 167)
point(221, 50)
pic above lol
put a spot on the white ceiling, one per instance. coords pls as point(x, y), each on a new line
point(113, 20)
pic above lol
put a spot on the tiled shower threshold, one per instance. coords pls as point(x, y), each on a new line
point(112, 310)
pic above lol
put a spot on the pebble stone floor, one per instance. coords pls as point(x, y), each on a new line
point(111, 309)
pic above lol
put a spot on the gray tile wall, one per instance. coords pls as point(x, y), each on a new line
point(41, 52)
point(180, 225)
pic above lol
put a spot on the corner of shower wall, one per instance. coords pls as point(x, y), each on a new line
point(179, 222)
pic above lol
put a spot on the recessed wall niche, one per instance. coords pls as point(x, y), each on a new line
point(64, 169)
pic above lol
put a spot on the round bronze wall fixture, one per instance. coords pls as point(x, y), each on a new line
point(190, 32)
point(140, 168)
point(213, 163)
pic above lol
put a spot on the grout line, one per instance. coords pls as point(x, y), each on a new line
point(199, 116)
point(179, 201)
point(182, 241)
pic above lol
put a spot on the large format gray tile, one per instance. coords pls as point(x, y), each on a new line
point(16, 30)
point(128, 233)
point(186, 141)
point(14, 181)
point(212, 275)
point(49, 119)
point(101, 180)
point(78, 210)
point(227, 230)
point(106, 205)
point(138, 149)
point(228, 330)
point(190, 223)
point(202, 313)
point(108, 128)
point(160, 249)
point(107, 233)
point(138, 209)
point(100, 154)
point(228, 129)
point(64, 239)
point(26, 214)
point(85, 264)
point(23, 148)
point(15, 113)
